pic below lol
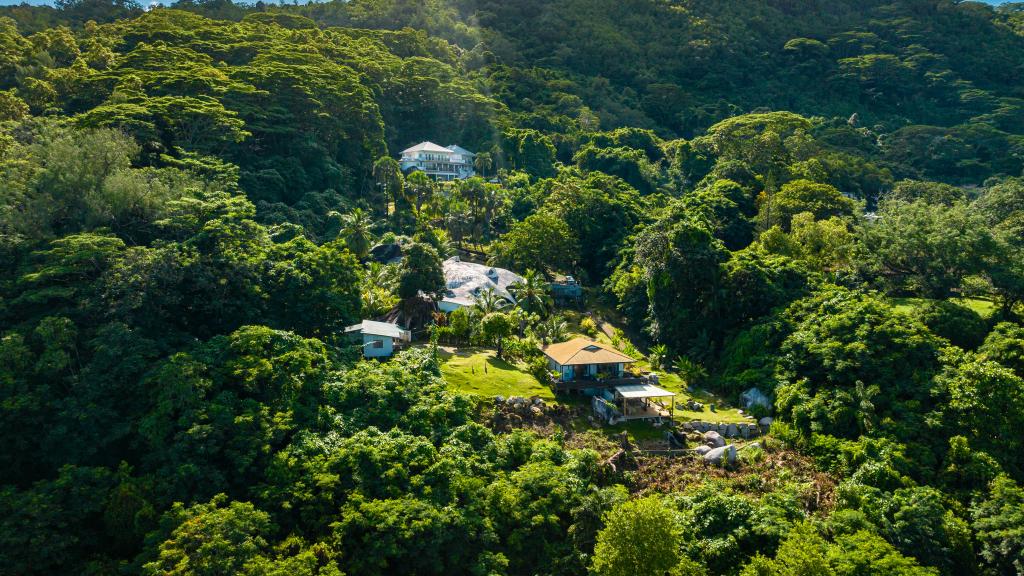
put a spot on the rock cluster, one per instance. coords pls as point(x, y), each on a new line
point(517, 411)
point(691, 404)
point(740, 430)
point(721, 456)
point(714, 450)
point(713, 439)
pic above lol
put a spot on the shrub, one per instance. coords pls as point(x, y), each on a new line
point(629, 350)
point(525, 349)
point(958, 324)
point(658, 355)
point(751, 455)
point(443, 334)
point(538, 368)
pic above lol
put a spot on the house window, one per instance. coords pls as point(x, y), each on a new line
point(377, 344)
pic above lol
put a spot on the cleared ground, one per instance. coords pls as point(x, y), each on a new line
point(982, 307)
point(479, 371)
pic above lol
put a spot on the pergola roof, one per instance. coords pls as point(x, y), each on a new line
point(642, 391)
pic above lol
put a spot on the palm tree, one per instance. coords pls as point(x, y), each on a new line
point(388, 176)
point(483, 163)
point(531, 293)
point(691, 372)
point(488, 300)
point(355, 229)
point(658, 355)
point(865, 406)
point(456, 221)
point(492, 200)
point(421, 190)
point(554, 329)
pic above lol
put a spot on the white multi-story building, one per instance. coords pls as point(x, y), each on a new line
point(438, 162)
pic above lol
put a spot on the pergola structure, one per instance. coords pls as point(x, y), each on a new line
point(639, 402)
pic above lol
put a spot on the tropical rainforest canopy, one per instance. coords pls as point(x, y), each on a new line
point(820, 199)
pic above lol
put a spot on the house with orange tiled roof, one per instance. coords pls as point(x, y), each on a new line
point(585, 359)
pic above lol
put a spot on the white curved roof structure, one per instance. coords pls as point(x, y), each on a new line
point(464, 280)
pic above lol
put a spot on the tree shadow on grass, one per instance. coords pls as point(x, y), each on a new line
point(502, 364)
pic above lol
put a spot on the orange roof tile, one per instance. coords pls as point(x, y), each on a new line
point(584, 351)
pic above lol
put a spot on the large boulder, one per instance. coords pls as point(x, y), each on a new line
point(754, 397)
point(714, 439)
point(721, 456)
point(766, 422)
point(731, 431)
point(702, 450)
point(386, 253)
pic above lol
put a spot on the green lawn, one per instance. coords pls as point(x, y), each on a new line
point(984, 308)
point(478, 371)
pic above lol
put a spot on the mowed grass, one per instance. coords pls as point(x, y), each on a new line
point(479, 371)
point(984, 308)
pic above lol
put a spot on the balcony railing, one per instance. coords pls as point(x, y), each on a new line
point(590, 382)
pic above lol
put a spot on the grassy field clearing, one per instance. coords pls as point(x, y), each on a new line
point(479, 371)
point(981, 306)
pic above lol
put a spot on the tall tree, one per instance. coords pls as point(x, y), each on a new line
point(531, 293)
point(421, 271)
point(541, 242)
point(483, 162)
point(640, 537)
point(387, 176)
point(356, 232)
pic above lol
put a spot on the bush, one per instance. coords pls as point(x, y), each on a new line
point(521, 349)
point(958, 324)
point(786, 434)
point(752, 455)
point(538, 368)
point(444, 334)
point(758, 411)
point(657, 356)
point(589, 327)
point(629, 350)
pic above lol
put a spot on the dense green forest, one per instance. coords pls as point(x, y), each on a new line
point(820, 199)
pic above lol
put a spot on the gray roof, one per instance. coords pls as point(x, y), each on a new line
point(375, 328)
point(426, 147)
point(460, 150)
